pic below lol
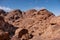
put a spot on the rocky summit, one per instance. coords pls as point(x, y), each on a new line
point(29, 25)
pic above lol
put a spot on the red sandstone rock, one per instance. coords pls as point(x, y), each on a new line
point(30, 25)
point(13, 15)
point(4, 35)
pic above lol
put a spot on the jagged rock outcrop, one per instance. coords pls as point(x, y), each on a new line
point(36, 23)
point(6, 27)
point(30, 13)
point(13, 15)
point(30, 25)
point(2, 12)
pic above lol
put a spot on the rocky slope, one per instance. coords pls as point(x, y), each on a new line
point(29, 25)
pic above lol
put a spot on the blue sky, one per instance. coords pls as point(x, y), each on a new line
point(52, 5)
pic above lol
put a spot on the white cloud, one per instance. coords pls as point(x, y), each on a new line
point(5, 8)
point(38, 8)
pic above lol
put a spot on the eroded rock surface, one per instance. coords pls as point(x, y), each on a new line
point(29, 25)
point(6, 29)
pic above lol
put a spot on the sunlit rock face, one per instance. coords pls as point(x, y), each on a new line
point(12, 16)
point(29, 25)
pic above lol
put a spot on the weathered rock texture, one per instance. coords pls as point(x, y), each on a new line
point(29, 25)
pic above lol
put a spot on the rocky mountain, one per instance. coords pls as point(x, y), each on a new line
point(2, 12)
point(29, 25)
